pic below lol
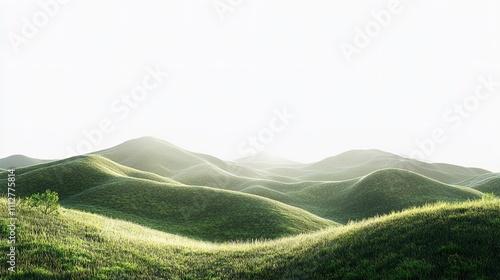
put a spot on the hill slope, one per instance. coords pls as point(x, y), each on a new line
point(96, 184)
point(443, 241)
point(76, 174)
point(486, 183)
point(162, 158)
point(378, 193)
point(16, 161)
point(158, 156)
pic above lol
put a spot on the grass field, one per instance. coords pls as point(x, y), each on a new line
point(445, 241)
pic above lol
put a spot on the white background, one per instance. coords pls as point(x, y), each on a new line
point(227, 76)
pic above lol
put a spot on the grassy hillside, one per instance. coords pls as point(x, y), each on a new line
point(443, 241)
point(74, 175)
point(487, 183)
point(378, 193)
point(16, 161)
point(98, 185)
point(197, 212)
point(158, 156)
point(263, 159)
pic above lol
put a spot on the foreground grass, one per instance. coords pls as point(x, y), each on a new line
point(445, 240)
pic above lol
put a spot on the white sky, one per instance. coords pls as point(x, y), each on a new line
point(227, 77)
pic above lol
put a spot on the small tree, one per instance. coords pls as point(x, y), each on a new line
point(47, 201)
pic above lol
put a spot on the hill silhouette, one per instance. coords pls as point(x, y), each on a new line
point(16, 161)
point(358, 163)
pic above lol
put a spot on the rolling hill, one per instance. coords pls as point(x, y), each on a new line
point(486, 183)
point(377, 193)
point(263, 159)
point(16, 161)
point(358, 163)
point(98, 185)
point(442, 241)
point(147, 209)
point(165, 159)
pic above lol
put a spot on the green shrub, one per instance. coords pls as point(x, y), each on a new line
point(47, 201)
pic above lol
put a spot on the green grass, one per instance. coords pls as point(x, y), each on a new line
point(377, 193)
point(441, 241)
point(198, 212)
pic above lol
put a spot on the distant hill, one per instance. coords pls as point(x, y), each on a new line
point(357, 163)
point(16, 161)
point(147, 209)
point(378, 193)
point(165, 159)
point(486, 183)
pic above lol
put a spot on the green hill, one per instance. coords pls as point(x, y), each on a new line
point(160, 157)
point(157, 156)
point(76, 174)
point(16, 161)
point(358, 163)
point(197, 212)
point(487, 183)
point(98, 185)
point(378, 193)
point(443, 241)
point(165, 159)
